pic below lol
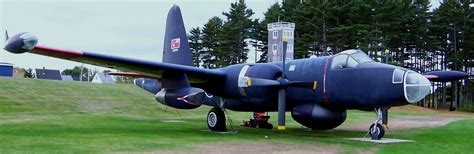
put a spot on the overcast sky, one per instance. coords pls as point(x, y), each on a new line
point(119, 27)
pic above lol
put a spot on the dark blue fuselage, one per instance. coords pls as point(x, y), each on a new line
point(365, 86)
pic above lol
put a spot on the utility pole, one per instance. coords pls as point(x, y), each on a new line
point(88, 73)
point(80, 76)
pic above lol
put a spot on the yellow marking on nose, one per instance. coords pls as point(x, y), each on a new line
point(315, 84)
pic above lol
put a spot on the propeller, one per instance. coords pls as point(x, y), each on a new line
point(282, 83)
point(282, 92)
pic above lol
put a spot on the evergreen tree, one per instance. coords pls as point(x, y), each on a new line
point(195, 43)
point(29, 73)
point(467, 35)
point(416, 37)
point(76, 72)
point(317, 26)
point(292, 12)
point(238, 27)
point(211, 42)
point(341, 35)
point(447, 21)
point(272, 15)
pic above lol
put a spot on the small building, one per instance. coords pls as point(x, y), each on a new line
point(48, 74)
point(103, 78)
point(18, 73)
point(67, 78)
point(277, 32)
point(6, 70)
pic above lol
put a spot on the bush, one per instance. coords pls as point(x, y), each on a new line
point(467, 106)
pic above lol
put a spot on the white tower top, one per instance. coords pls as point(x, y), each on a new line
point(277, 31)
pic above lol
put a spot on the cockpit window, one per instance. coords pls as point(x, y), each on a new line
point(361, 57)
point(351, 63)
point(349, 59)
point(339, 62)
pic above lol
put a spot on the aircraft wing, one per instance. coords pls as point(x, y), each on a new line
point(130, 74)
point(23, 43)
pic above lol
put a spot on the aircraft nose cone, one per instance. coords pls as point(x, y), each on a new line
point(21, 43)
point(416, 87)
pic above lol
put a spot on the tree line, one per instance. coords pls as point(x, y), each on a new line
point(405, 31)
point(400, 32)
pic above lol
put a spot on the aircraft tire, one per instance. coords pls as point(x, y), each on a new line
point(378, 133)
point(216, 120)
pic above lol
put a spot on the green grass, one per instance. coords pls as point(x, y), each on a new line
point(456, 137)
point(55, 116)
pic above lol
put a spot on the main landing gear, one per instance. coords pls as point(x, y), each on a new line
point(216, 120)
point(377, 129)
point(259, 120)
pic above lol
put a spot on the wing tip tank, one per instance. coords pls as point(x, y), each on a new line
point(21, 43)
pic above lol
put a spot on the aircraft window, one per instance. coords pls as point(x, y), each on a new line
point(275, 34)
point(351, 63)
point(397, 76)
point(275, 48)
point(339, 62)
point(289, 48)
point(288, 34)
point(361, 57)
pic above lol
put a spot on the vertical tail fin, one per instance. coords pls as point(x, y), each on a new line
point(176, 47)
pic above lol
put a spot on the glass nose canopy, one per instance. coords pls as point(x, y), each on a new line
point(416, 87)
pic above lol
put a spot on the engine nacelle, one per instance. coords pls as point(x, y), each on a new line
point(150, 85)
point(184, 98)
point(234, 85)
point(317, 117)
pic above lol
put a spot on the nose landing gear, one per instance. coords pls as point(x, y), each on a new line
point(377, 129)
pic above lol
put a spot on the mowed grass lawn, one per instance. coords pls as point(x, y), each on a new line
point(56, 116)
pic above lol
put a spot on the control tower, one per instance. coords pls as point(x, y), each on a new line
point(278, 31)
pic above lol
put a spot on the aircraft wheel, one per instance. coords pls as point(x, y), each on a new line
point(216, 120)
point(376, 131)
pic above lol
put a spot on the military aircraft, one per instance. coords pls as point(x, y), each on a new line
point(317, 91)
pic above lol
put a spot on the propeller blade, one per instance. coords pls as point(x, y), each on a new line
point(304, 84)
point(281, 109)
point(254, 82)
point(285, 46)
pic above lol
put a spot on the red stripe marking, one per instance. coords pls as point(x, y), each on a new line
point(128, 74)
point(58, 53)
point(325, 97)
